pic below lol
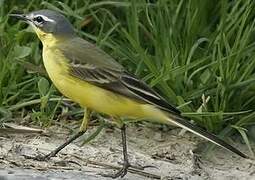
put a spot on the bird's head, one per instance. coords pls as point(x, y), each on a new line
point(48, 24)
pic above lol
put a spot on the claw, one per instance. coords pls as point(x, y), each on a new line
point(121, 173)
point(139, 167)
point(39, 157)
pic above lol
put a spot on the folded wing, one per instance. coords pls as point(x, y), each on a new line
point(91, 64)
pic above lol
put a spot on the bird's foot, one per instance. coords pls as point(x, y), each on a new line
point(140, 167)
point(121, 173)
point(40, 157)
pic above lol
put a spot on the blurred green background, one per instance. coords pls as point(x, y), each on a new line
point(198, 54)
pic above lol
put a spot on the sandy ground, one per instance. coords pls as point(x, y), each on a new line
point(170, 155)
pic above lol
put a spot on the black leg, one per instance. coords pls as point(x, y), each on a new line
point(83, 129)
point(55, 151)
point(123, 171)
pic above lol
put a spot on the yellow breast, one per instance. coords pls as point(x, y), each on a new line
point(84, 93)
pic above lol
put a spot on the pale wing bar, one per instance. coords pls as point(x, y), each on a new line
point(94, 75)
point(146, 93)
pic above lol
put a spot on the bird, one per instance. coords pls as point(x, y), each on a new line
point(92, 78)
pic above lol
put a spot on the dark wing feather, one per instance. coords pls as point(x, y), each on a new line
point(95, 75)
point(122, 83)
point(146, 93)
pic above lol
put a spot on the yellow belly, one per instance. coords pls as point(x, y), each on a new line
point(86, 94)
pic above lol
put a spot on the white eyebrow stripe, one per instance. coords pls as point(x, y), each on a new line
point(45, 18)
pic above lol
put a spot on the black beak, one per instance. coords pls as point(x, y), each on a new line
point(20, 16)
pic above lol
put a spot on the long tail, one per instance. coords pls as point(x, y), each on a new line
point(183, 123)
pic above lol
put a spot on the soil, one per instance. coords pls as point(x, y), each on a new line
point(166, 154)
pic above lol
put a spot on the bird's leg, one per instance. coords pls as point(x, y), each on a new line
point(82, 130)
point(123, 171)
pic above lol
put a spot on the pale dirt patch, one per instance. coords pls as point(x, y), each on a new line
point(170, 154)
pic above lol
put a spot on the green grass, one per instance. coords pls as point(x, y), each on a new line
point(199, 54)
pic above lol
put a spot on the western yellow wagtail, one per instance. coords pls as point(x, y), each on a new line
point(92, 78)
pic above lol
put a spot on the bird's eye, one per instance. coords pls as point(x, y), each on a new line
point(39, 19)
